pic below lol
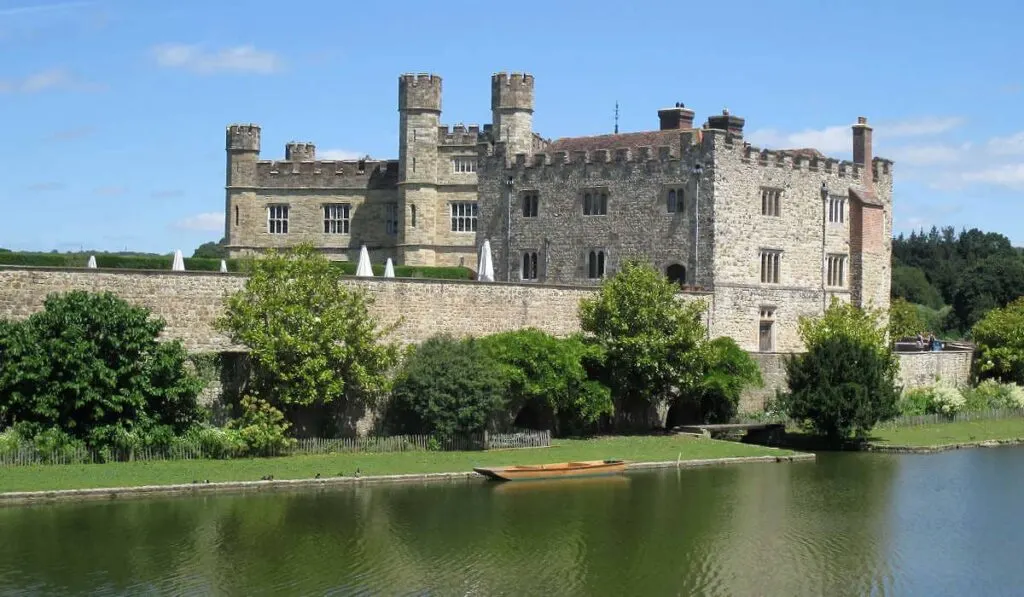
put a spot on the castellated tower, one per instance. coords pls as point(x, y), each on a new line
point(419, 107)
point(242, 144)
point(512, 111)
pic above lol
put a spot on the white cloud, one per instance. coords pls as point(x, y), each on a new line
point(47, 80)
point(927, 155)
point(1005, 175)
point(56, 6)
point(194, 58)
point(839, 138)
point(205, 222)
point(339, 154)
point(1012, 145)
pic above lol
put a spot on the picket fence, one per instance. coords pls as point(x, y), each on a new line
point(27, 454)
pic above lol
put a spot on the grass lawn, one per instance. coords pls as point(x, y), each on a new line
point(950, 433)
point(123, 474)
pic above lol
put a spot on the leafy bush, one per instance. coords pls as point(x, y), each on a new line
point(446, 387)
point(728, 370)
point(650, 337)
point(215, 442)
point(946, 400)
point(262, 429)
point(312, 338)
point(846, 381)
point(915, 402)
point(904, 320)
point(991, 394)
point(550, 374)
point(90, 366)
point(1000, 338)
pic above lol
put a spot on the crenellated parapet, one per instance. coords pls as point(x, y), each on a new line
point(419, 92)
point(323, 174)
point(296, 151)
point(512, 91)
point(459, 134)
point(243, 137)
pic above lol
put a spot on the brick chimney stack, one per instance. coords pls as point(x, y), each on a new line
point(678, 118)
point(862, 144)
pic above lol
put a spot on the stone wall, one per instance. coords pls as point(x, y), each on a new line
point(924, 368)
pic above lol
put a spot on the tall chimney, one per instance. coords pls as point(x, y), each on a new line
point(678, 118)
point(862, 144)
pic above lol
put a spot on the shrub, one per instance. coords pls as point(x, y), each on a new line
point(904, 320)
point(946, 400)
point(215, 442)
point(1000, 338)
point(728, 369)
point(312, 338)
point(90, 365)
point(846, 381)
point(915, 402)
point(262, 429)
point(991, 394)
point(649, 336)
point(550, 374)
point(446, 387)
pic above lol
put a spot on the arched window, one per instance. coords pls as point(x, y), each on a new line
point(676, 273)
point(670, 201)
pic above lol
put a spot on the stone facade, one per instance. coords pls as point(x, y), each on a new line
point(772, 234)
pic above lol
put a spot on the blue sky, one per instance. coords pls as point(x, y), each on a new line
point(113, 111)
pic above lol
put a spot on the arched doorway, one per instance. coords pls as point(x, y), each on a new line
point(676, 273)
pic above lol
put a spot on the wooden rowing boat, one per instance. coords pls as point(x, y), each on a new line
point(559, 470)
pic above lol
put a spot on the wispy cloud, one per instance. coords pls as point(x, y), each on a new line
point(1005, 175)
point(56, 79)
point(204, 222)
point(197, 59)
point(919, 127)
point(38, 8)
point(40, 187)
point(110, 191)
point(167, 194)
point(71, 134)
point(1012, 145)
point(339, 154)
point(839, 138)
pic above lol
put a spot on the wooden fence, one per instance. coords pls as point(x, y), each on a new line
point(27, 454)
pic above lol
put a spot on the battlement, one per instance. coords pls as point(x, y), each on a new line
point(243, 137)
point(512, 91)
point(296, 151)
point(797, 160)
point(421, 91)
point(459, 134)
point(320, 174)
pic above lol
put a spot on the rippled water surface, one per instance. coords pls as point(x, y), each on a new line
point(849, 524)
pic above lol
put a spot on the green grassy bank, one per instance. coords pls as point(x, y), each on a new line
point(131, 474)
point(958, 432)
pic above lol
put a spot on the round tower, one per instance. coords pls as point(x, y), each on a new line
point(242, 145)
point(296, 151)
point(419, 107)
point(512, 111)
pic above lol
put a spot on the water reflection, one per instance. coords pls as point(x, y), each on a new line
point(850, 524)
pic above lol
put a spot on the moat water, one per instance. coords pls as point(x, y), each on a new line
point(848, 524)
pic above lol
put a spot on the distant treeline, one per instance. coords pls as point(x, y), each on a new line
point(956, 278)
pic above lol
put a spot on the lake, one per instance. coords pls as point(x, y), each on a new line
point(848, 524)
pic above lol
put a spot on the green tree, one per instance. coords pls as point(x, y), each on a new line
point(910, 283)
point(213, 250)
point(311, 337)
point(904, 320)
point(91, 366)
point(446, 388)
point(649, 335)
point(1000, 339)
point(727, 371)
point(986, 285)
point(550, 375)
point(846, 381)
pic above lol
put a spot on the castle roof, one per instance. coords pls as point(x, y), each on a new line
point(619, 141)
point(866, 196)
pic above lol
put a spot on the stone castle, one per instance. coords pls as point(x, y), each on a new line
point(768, 235)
